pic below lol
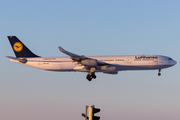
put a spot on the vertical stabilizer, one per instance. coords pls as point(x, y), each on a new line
point(19, 48)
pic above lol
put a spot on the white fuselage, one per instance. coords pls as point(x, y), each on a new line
point(138, 62)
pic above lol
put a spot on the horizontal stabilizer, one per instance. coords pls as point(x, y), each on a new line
point(17, 59)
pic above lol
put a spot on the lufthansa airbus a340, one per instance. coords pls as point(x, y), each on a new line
point(90, 64)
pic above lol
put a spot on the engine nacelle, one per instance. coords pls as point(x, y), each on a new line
point(108, 68)
point(80, 68)
point(89, 62)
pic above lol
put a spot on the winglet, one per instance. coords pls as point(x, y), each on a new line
point(61, 49)
point(72, 55)
point(65, 52)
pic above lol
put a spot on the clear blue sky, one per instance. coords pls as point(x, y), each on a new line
point(107, 27)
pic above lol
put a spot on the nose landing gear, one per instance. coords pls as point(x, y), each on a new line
point(159, 74)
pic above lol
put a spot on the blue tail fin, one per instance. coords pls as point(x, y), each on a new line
point(19, 48)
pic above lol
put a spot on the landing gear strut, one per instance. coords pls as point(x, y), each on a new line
point(159, 74)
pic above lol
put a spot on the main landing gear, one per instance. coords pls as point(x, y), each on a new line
point(159, 74)
point(91, 76)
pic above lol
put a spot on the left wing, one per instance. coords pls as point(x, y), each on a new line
point(83, 60)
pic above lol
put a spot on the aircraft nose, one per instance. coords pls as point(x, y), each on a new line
point(174, 62)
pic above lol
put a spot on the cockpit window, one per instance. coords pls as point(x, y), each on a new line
point(170, 59)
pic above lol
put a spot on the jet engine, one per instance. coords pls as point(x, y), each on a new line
point(108, 68)
point(89, 62)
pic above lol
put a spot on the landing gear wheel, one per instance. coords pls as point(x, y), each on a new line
point(93, 75)
point(89, 77)
point(159, 74)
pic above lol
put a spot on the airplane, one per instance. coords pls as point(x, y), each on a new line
point(90, 64)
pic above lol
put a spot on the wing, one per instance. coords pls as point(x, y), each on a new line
point(82, 59)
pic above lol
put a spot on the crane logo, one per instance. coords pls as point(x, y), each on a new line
point(18, 47)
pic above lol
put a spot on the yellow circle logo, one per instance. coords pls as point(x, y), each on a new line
point(18, 46)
